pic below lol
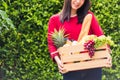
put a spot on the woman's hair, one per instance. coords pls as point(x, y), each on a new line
point(81, 12)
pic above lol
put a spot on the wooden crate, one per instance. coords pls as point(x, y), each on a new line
point(76, 58)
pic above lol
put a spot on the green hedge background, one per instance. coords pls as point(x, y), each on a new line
point(23, 43)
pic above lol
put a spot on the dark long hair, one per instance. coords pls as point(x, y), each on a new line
point(81, 12)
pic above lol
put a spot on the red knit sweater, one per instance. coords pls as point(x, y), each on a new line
point(72, 28)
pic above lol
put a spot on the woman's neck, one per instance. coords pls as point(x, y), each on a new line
point(73, 13)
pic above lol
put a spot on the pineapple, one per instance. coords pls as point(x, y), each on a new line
point(59, 37)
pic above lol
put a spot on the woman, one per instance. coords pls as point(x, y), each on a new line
point(71, 18)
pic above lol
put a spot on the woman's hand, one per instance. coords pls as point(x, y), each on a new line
point(60, 65)
point(109, 61)
point(109, 58)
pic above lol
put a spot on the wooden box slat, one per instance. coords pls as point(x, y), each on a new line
point(84, 56)
point(74, 49)
point(86, 65)
point(68, 49)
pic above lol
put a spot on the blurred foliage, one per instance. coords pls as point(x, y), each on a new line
point(23, 47)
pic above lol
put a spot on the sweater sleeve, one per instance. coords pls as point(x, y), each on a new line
point(51, 26)
point(95, 27)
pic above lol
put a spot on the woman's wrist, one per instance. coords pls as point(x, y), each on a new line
point(56, 58)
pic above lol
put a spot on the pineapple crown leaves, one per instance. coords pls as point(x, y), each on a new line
point(59, 37)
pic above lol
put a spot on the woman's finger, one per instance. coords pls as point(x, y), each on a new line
point(109, 62)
